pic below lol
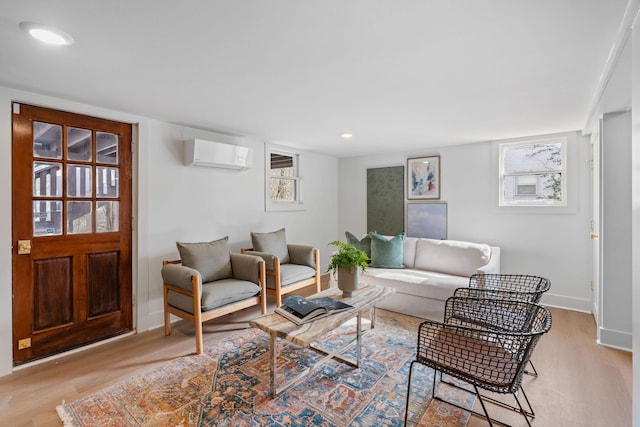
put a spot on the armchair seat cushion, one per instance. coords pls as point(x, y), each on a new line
point(216, 294)
point(291, 273)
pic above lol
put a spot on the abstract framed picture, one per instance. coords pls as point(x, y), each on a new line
point(428, 219)
point(423, 178)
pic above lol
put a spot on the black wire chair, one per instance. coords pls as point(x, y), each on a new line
point(518, 287)
point(485, 358)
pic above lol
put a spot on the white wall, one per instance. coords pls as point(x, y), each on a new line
point(174, 202)
point(199, 204)
point(554, 245)
point(635, 219)
point(616, 241)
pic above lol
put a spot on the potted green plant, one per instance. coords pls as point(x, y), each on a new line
point(348, 262)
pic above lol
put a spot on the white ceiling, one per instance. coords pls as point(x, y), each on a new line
point(401, 75)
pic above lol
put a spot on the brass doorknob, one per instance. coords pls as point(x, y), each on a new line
point(24, 247)
point(594, 235)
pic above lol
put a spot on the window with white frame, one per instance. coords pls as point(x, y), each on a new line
point(533, 172)
point(283, 179)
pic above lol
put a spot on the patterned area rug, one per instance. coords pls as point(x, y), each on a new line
point(229, 386)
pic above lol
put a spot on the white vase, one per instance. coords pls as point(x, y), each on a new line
point(348, 280)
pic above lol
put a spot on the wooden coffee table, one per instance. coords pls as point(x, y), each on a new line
point(277, 326)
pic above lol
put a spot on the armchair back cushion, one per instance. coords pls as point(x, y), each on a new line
point(211, 259)
point(274, 243)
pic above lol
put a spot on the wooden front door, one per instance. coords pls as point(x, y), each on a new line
point(71, 225)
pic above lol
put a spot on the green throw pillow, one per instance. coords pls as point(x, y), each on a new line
point(387, 253)
point(363, 245)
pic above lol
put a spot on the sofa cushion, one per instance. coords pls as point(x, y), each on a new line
point(409, 248)
point(363, 245)
point(451, 256)
point(211, 259)
point(387, 253)
point(274, 243)
point(418, 283)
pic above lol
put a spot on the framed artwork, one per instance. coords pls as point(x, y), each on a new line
point(428, 219)
point(423, 178)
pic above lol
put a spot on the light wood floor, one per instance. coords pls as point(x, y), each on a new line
point(580, 383)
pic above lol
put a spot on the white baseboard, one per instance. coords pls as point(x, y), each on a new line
point(569, 303)
point(615, 339)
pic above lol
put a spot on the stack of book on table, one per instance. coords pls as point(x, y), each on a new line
point(301, 310)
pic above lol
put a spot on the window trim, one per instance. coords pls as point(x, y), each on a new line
point(503, 145)
point(283, 206)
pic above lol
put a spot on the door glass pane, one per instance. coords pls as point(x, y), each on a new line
point(47, 140)
point(47, 217)
point(47, 179)
point(107, 216)
point(79, 181)
point(107, 148)
point(79, 146)
point(107, 182)
point(79, 217)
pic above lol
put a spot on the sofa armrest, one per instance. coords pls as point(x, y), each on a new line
point(270, 260)
point(179, 276)
point(302, 255)
point(493, 266)
point(246, 267)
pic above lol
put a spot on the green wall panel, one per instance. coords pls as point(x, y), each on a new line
point(385, 200)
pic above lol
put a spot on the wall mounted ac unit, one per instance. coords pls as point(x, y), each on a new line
point(199, 152)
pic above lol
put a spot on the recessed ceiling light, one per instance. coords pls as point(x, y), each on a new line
point(46, 34)
point(346, 135)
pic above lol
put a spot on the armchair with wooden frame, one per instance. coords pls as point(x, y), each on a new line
point(208, 282)
point(289, 267)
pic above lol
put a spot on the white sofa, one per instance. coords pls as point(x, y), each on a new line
point(433, 270)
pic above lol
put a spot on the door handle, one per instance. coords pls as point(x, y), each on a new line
point(24, 247)
point(594, 235)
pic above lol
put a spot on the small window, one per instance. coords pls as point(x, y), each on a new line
point(533, 173)
point(283, 183)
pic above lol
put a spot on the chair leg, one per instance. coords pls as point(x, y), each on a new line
point(484, 408)
point(533, 371)
point(199, 340)
point(197, 312)
point(406, 408)
point(167, 315)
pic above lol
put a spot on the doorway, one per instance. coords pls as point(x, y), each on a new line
point(71, 230)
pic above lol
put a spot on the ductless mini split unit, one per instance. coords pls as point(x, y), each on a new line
point(199, 152)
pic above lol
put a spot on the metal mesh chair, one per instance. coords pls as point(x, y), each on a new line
point(518, 287)
point(486, 358)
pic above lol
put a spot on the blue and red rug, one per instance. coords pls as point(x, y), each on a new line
point(228, 385)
